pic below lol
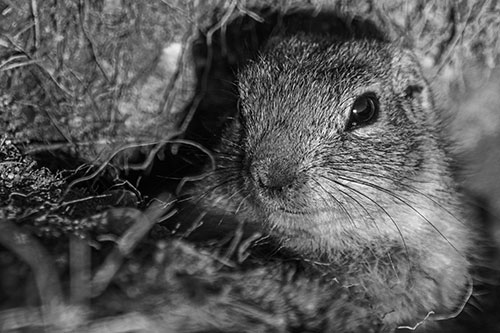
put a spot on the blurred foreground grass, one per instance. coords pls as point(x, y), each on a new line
point(108, 83)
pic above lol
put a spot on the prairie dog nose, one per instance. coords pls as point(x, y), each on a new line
point(275, 175)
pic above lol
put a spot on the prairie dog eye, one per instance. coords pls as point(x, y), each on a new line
point(364, 110)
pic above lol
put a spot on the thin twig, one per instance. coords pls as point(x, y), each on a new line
point(105, 163)
point(79, 252)
point(414, 327)
point(34, 12)
point(143, 223)
point(31, 252)
point(72, 202)
point(82, 13)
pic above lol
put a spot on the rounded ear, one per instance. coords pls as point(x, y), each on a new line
point(408, 81)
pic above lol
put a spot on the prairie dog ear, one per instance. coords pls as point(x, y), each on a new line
point(408, 81)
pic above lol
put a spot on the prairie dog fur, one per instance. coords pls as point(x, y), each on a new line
point(337, 152)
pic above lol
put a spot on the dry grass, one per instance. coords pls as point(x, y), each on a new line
point(109, 82)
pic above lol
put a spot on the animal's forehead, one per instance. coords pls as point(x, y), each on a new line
point(299, 63)
point(309, 84)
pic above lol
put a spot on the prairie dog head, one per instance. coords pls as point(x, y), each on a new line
point(337, 150)
point(337, 146)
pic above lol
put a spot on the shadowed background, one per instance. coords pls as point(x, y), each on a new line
point(91, 93)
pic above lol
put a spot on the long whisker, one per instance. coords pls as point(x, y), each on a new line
point(381, 189)
point(342, 207)
point(221, 171)
point(243, 200)
point(377, 204)
point(360, 205)
point(227, 212)
point(201, 196)
point(412, 188)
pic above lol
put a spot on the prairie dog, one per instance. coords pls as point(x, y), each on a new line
point(337, 152)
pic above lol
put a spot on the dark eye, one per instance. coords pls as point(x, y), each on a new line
point(364, 110)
